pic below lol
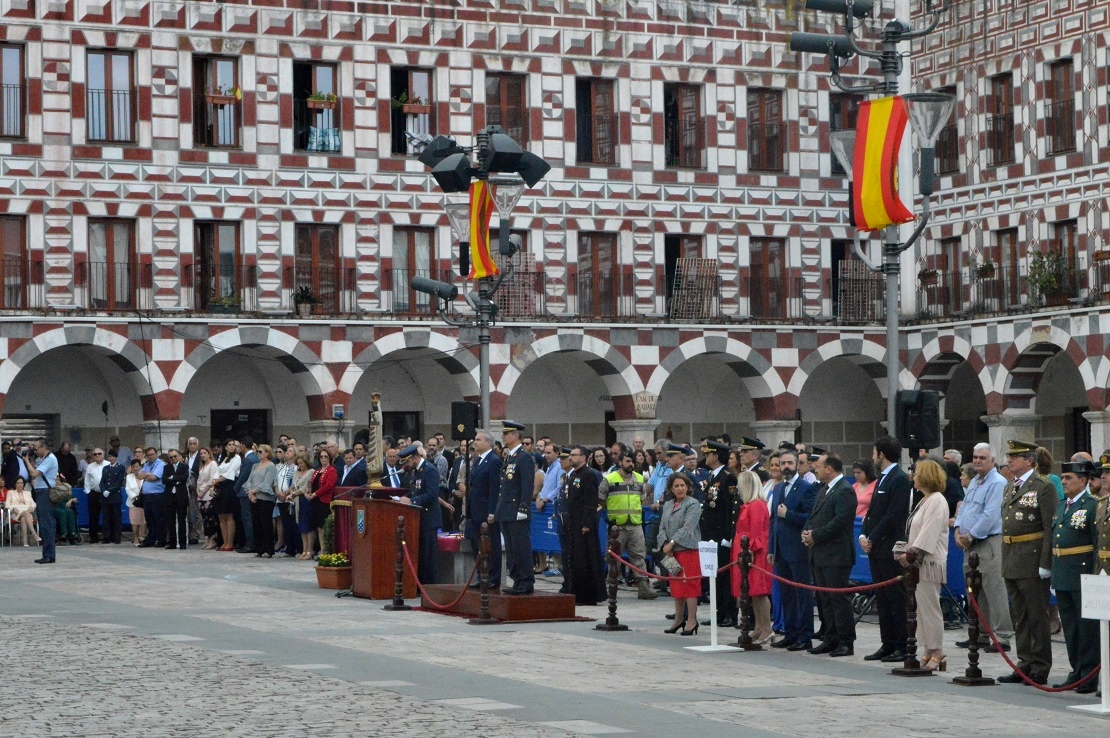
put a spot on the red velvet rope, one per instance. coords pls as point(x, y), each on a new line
point(834, 590)
point(1024, 677)
point(667, 579)
point(424, 592)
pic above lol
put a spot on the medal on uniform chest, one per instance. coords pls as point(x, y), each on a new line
point(1019, 515)
point(418, 483)
point(1078, 519)
point(1029, 499)
point(577, 483)
point(510, 471)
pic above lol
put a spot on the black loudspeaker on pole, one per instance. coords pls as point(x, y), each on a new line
point(464, 420)
point(918, 419)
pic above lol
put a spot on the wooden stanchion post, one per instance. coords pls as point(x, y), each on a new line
point(911, 667)
point(973, 675)
point(612, 623)
point(399, 582)
point(744, 561)
point(483, 580)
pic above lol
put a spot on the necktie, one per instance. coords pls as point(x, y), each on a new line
point(1017, 483)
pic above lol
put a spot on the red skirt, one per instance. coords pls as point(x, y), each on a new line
point(691, 567)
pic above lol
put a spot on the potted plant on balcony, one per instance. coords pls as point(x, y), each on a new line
point(1048, 277)
point(1100, 255)
point(222, 95)
point(322, 101)
point(928, 277)
point(980, 269)
point(414, 106)
point(224, 304)
point(304, 299)
point(333, 571)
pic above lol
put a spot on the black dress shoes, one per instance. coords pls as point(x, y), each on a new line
point(44, 560)
point(1042, 680)
point(843, 650)
point(782, 643)
point(882, 653)
point(823, 647)
point(894, 657)
point(726, 623)
point(515, 590)
point(1088, 687)
point(799, 646)
point(1011, 678)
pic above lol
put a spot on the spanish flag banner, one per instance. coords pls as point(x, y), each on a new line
point(879, 130)
point(481, 208)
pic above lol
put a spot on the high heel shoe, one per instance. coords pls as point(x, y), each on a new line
point(676, 628)
point(691, 632)
point(935, 664)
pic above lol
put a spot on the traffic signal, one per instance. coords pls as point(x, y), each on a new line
point(918, 418)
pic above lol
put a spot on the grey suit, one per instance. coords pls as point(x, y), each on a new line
point(832, 525)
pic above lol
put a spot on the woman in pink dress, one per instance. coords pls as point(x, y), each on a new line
point(866, 479)
point(754, 522)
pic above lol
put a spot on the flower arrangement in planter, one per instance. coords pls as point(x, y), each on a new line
point(415, 106)
point(1048, 276)
point(928, 277)
point(980, 269)
point(224, 304)
point(223, 95)
point(322, 101)
point(333, 571)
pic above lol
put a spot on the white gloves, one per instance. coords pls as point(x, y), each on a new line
point(726, 543)
point(106, 494)
point(521, 516)
point(1045, 573)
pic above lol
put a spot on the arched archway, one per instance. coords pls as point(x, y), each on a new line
point(845, 422)
point(705, 395)
point(1045, 379)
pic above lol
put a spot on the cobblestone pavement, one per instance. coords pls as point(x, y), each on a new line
point(196, 643)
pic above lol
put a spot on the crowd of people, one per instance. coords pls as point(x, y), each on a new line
point(1034, 532)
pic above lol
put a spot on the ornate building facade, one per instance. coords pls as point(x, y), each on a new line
point(175, 177)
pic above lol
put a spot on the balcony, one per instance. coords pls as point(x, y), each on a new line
point(775, 300)
point(109, 114)
point(113, 286)
point(765, 147)
point(602, 295)
point(12, 104)
point(316, 126)
point(214, 291)
point(948, 150)
point(333, 287)
point(400, 300)
point(858, 299)
point(684, 143)
point(20, 291)
point(1000, 139)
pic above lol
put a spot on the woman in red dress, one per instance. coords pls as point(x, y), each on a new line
point(754, 522)
point(679, 535)
point(323, 489)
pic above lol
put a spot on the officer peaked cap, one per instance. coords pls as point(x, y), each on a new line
point(750, 444)
point(715, 447)
point(1082, 468)
point(1021, 447)
point(508, 425)
point(408, 451)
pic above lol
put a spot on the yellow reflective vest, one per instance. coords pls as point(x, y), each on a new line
point(623, 503)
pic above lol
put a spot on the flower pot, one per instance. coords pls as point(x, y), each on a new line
point(416, 108)
point(304, 309)
point(223, 309)
point(929, 280)
point(220, 100)
point(986, 272)
point(321, 104)
point(333, 577)
point(1101, 255)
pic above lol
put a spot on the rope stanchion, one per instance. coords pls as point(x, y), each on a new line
point(911, 667)
point(1024, 677)
point(833, 590)
point(424, 593)
point(744, 558)
point(613, 623)
point(482, 562)
point(973, 675)
point(399, 581)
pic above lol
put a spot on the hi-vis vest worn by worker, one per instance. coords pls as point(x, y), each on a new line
point(623, 504)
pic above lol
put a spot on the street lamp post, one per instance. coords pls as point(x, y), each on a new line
point(928, 113)
point(500, 162)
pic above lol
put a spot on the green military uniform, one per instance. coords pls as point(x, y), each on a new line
point(1028, 509)
point(1102, 523)
point(1073, 554)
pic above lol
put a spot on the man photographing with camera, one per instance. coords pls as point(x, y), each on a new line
point(43, 468)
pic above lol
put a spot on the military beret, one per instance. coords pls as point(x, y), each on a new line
point(715, 447)
point(1021, 447)
point(511, 425)
point(749, 444)
point(1082, 468)
point(408, 451)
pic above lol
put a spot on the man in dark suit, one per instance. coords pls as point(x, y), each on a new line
point(11, 465)
point(424, 492)
point(391, 469)
point(885, 524)
point(246, 525)
point(354, 470)
point(175, 477)
point(791, 503)
point(828, 535)
point(514, 509)
point(481, 500)
point(718, 523)
point(112, 481)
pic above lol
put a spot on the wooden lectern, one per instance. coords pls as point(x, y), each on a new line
point(374, 547)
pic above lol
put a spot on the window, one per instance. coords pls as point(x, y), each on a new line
point(410, 108)
point(413, 256)
point(507, 106)
point(216, 102)
point(13, 249)
point(1000, 120)
point(683, 128)
point(595, 122)
point(948, 142)
point(1006, 244)
point(111, 272)
point(109, 108)
point(598, 276)
point(766, 132)
point(219, 276)
point(951, 293)
point(316, 108)
point(677, 247)
point(767, 289)
point(13, 100)
point(1060, 101)
point(316, 265)
point(843, 112)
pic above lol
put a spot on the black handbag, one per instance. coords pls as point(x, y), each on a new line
point(138, 501)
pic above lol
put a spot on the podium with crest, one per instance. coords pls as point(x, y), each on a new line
point(373, 531)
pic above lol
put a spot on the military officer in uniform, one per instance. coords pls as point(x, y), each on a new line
point(1028, 508)
point(751, 456)
point(1073, 554)
point(514, 509)
point(1102, 520)
point(424, 492)
point(718, 522)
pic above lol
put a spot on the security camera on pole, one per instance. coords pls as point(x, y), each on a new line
point(494, 172)
point(869, 155)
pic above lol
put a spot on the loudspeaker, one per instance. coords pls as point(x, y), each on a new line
point(918, 418)
point(464, 420)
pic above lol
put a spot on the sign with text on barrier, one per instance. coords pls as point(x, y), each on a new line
point(707, 559)
point(1095, 605)
point(707, 555)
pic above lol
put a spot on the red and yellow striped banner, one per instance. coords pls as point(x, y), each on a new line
point(879, 130)
point(481, 208)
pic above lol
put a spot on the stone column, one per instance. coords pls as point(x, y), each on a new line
point(163, 435)
point(328, 430)
point(1100, 431)
point(773, 432)
point(629, 430)
point(1019, 425)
